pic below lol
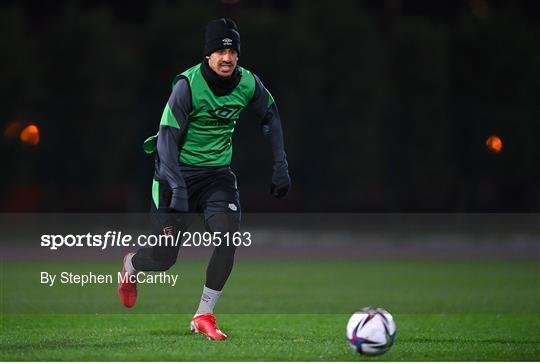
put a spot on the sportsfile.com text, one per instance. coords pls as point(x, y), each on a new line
point(120, 239)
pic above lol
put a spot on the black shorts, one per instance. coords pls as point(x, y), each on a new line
point(211, 190)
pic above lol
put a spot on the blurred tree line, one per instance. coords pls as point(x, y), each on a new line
point(384, 110)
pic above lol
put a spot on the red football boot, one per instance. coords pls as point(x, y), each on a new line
point(206, 324)
point(127, 290)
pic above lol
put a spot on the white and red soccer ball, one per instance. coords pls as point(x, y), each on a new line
point(371, 331)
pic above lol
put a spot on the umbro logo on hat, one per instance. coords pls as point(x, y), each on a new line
point(221, 33)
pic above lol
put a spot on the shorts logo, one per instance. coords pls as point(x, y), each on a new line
point(233, 207)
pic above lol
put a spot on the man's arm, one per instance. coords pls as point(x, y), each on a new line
point(264, 106)
point(171, 128)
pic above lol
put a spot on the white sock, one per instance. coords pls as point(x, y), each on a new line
point(128, 265)
point(209, 299)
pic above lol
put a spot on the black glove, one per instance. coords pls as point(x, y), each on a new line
point(179, 200)
point(281, 181)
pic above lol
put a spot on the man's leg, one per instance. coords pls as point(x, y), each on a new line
point(222, 261)
point(158, 258)
point(222, 214)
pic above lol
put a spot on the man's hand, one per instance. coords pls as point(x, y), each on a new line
point(179, 200)
point(281, 181)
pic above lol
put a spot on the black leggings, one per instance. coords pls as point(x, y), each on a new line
point(211, 192)
point(162, 258)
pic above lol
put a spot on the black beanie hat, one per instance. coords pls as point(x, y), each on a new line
point(220, 34)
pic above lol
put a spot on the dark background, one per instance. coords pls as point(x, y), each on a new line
point(386, 105)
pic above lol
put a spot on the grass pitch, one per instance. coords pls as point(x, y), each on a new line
point(291, 311)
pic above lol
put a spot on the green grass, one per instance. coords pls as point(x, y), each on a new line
point(444, 311)
point(281, 337)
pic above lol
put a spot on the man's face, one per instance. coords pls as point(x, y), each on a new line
point(223, 61)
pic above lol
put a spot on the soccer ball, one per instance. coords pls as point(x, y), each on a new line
point(371, 331)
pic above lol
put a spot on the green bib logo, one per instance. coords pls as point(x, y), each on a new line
point(226, 113)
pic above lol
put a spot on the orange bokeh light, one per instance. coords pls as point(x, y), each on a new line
point(494, 144)
point(30, 135)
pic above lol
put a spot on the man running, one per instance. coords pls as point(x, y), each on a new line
point(192, 166)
